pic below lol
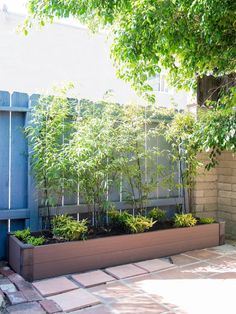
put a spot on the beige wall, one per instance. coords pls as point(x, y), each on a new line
point(60, 53)
point(215, 192)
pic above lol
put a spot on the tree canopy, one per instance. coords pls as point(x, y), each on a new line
point(190, 38)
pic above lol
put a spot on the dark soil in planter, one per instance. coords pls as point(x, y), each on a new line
point(101, 232)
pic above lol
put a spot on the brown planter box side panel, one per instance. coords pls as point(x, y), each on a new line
point(70, 257)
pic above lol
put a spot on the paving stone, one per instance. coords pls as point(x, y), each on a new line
point(181, 260)
point(154, 265)
point(15, 277)
point(26, 308)
point(74, 300)
point(54, 286)
point(50, 306)
point(223, 249)
point(203, 254)
point(7, 285)
point(125, 271)
point(20, 282)
point(6, 272)
point(232, 255)
point(98, 309)
point(227, 275)
point(2, 300)
point(138, 305)
point(16, 297)
point(32, 295)
point(92, 278)
point(176, 273)
point(202, 269)
point(111, 291)
point(226, 263)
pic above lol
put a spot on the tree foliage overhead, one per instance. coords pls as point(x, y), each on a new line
point(189, 37)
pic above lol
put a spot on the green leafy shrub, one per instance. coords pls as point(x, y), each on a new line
point(26, 237)
point(184, 220)
point(35, 241)
point(22, 235)
point(207, 220)
point(139, 223)
point(65, 227)
point(129, 223)
point(157, 214)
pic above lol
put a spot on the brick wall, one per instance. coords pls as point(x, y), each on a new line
point(215, 191)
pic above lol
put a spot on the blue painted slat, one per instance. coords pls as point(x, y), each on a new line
point(34, 99)
point(34, 222)
point(19, 163)
point(20, 213)
point(3, 238)
point(4, 99)
point(4, 159)
point(19, 100)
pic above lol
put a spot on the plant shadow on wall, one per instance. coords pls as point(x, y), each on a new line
point(99, 147)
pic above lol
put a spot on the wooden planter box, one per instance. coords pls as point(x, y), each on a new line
point(70, 257)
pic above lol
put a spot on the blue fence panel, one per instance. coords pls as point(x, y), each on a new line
point(18, 198)
point(4, 159)
point(19, 162)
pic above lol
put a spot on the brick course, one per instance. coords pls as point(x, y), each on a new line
point(215, 191)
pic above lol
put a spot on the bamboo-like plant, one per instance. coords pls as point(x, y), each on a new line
point(52, 123)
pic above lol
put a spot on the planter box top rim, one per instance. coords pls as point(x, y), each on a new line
point(29, 246)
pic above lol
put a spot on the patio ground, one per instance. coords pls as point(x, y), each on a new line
point(202, 281)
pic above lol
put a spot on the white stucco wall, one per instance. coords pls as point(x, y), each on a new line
point(59, 53)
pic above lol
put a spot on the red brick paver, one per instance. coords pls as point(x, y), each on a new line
point(50, 306)
point(16, 297)
point(26, 308)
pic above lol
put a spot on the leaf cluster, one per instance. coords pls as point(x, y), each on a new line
point(216, 128)
point(157, 214)
point(207, 220)
point(129, 223)
point(190, 38)
point(26, 237)
point(66, 228)
point(184, 220)
point(52, 119)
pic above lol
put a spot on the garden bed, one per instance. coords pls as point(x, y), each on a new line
point(77, 256)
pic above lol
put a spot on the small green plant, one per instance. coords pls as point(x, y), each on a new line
point(26, 237)
point(129, 223)
point(184, 220)
point(67, 228)
point(23, 235)
point(207, 220)
point(157, 214)
point(139, 223)
point(35, 241)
